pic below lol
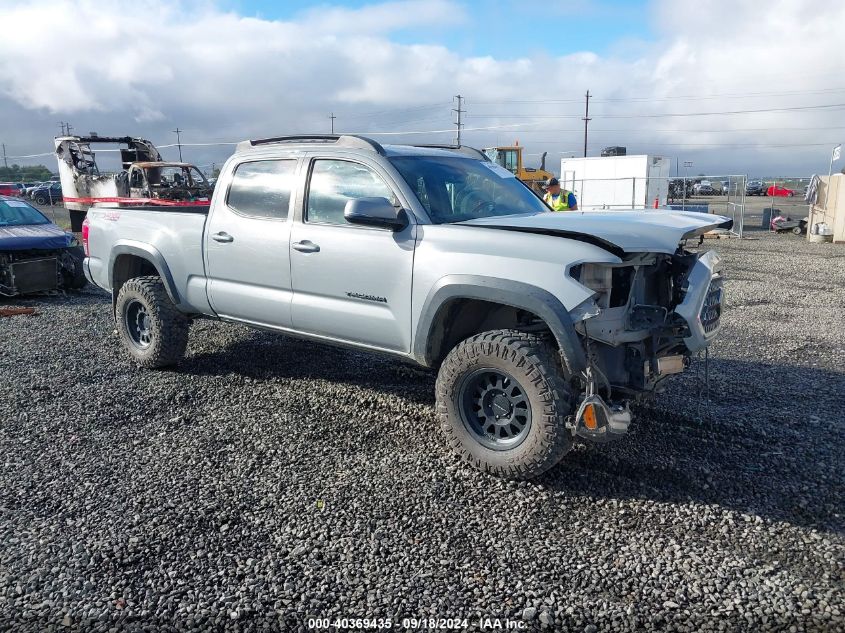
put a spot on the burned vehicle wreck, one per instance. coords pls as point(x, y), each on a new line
point(35, 254)
point(144, 176)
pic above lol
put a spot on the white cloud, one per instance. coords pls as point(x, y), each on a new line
point(143, 68)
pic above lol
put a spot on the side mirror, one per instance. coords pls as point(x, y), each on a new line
point(378, 212)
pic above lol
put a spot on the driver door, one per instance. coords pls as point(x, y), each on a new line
point(350, 282)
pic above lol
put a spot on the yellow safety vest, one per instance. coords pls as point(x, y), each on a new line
point(562, 202)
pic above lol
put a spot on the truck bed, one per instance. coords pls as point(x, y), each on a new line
point(177, 232)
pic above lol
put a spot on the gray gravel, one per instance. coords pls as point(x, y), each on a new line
point(269, 479)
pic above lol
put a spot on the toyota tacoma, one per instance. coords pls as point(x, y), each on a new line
point(542, 326)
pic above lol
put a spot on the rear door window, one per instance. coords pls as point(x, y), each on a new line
point(262, 188)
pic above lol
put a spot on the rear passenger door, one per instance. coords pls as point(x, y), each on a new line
point(247, 242)
point(350, 282)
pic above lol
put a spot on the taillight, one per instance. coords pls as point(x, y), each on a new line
point(85, 226)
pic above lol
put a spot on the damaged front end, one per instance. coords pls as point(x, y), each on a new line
point(36, 271)
point(648, 315)
point(35, 254)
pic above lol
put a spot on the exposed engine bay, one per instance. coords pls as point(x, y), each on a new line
point(36, 255)
point(28, 272)
point(649, 315)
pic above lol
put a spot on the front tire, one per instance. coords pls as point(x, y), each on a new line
point(502, 402)
point(153, 331)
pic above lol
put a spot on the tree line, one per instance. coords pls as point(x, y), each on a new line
point(25, 173)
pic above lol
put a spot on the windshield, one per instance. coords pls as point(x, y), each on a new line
point(454, 189)
point(17, 213)
point(176, 176)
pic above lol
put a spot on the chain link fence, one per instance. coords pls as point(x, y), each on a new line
point(721, 195)
point(770, 197)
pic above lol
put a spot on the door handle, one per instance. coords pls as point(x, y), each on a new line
point(306, 246)
point(222, 236)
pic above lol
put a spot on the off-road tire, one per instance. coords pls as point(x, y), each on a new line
point(168, 327)
point(530, 360)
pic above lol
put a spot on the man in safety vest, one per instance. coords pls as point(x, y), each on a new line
point(559, 199)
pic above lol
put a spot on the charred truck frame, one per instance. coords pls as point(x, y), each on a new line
point(144, 176)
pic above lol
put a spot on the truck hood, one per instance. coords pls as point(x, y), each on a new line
point(33, 237)
point(634, 231)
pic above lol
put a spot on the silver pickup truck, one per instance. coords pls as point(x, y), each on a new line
point(542, 326)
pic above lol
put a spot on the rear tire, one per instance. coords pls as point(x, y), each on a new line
point(153, 331)
point(42, 200)
point(513, 375)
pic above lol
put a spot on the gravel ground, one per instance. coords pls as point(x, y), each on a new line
point(268, 479)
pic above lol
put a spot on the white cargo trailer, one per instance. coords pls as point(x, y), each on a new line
point(617, 182)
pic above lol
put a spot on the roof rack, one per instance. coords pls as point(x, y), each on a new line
point(340, 140)
point(466, 150)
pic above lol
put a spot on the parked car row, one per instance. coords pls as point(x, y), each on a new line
point(759, 188)
point(39, 192)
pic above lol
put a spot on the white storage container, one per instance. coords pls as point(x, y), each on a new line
point(617, 182)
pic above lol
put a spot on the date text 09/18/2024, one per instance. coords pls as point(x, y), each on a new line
point(416, 624)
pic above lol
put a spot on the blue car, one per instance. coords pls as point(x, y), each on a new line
point(35, 254)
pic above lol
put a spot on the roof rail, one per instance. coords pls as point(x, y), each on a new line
point(340, 140)
point(466, 150)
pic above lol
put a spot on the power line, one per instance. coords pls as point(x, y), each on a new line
point(688, 131)
point(656, 116)
point(671, 98)
point(381, 113)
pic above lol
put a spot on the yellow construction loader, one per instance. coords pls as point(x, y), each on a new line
point(510, 157)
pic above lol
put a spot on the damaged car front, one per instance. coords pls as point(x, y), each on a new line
point(35, 254)
point(647, 317)
point(651, 304)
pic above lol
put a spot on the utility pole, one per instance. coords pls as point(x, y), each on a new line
point(332, 117)
point(687, 165)
point(68, 128)
point(586, 120)
point(459, 120)
point(5, 162)
point(62, 125)
point(178, 132)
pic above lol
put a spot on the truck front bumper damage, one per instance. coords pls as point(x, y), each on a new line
point(701, 307)
point(598, 421)
point(633, 347)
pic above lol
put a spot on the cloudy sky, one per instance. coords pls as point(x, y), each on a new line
point(735, 86)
